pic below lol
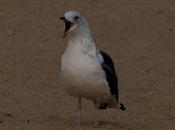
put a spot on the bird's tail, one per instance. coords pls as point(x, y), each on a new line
point(121, 106)
point(116, 104)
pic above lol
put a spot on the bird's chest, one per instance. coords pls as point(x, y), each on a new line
point(80, 72)
point(80, 67)
point(77, 65)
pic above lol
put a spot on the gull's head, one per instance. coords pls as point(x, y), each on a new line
point(73, 21)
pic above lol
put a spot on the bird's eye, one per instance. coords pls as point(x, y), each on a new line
point(76, 17)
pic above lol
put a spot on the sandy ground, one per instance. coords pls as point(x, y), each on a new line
point(139, 36)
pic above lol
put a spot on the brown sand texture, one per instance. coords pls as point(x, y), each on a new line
point(139, 36)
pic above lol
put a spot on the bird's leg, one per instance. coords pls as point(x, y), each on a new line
point(79, 111)
point(96, 121)
point(97, 113)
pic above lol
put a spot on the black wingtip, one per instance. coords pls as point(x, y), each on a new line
point(122, 107)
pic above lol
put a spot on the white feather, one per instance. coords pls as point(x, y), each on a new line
point(81, 66)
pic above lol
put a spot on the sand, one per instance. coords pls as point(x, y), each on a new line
point(139, 36)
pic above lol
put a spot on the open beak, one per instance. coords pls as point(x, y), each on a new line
point(68, 24)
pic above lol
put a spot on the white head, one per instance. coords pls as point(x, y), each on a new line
point(73, 21)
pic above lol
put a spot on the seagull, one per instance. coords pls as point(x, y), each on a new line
point(87, 71)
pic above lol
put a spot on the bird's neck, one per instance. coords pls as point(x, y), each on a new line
point(81, 40)
point(82, 31)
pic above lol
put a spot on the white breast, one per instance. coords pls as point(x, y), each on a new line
point(83, 74)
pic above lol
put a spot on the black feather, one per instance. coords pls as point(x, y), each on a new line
point(111, 77)
point(122, 107)
point(103, 106)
